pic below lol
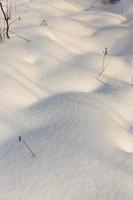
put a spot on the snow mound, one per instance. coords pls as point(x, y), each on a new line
point(73, 136)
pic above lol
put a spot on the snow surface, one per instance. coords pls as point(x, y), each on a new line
point(79, 128)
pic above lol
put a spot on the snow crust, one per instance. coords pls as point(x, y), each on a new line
point(79, 128)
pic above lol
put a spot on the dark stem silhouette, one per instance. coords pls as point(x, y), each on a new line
point(21, 140)
point(6, 18)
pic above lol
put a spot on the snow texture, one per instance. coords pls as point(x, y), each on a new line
point(79, 127)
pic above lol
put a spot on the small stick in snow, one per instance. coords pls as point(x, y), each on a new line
point(21, 140)
point(6, 18)
point(105, 52)
point(20, 36)
point(44, 23)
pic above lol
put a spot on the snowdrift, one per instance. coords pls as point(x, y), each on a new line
point(79, 128)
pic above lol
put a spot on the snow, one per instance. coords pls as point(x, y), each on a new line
point(79, 128)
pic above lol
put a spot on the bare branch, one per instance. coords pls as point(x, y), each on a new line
point(6, 18)
point(20, 36)
point(105, 52)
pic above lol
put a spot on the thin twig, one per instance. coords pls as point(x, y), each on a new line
point(21, 140)
point(102, 81)
point(6, 18)
point(105, 52)
point(44, 23)
point(20, 36)
point(4, 29)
